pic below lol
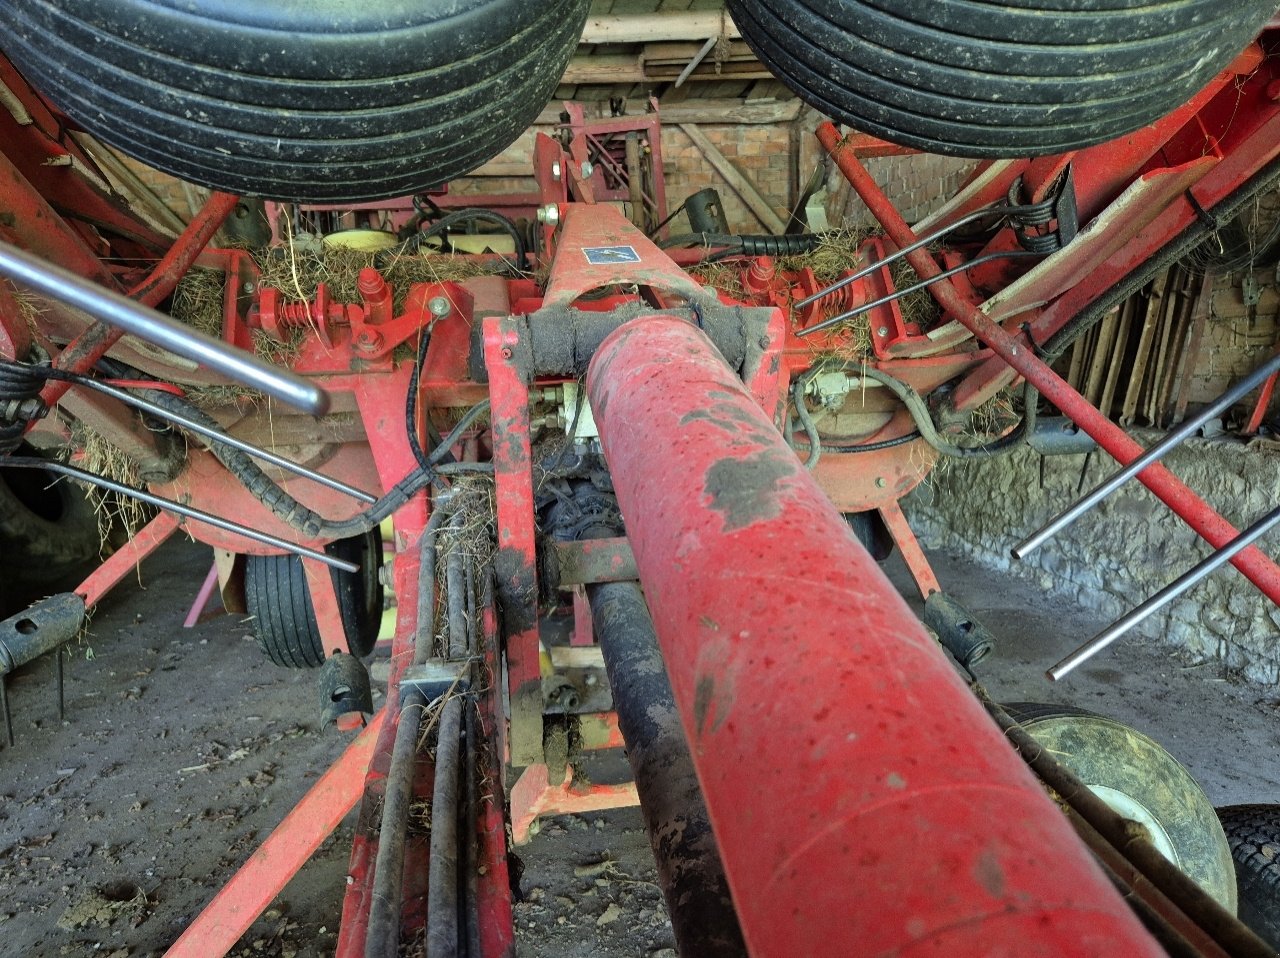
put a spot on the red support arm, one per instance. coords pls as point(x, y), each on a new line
point(1170, 490)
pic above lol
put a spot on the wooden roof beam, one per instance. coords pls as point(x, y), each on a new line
point(659, 27)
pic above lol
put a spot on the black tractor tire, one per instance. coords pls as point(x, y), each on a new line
point(49, 531)
point(319, 100)
point(997, 78)
point(1254, 834)
point(1133, 774)
point(284, 619)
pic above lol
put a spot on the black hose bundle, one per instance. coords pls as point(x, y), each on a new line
point(414, 241)
point(265, 489)
point(916, 406)
point(735, 244)
point(20, 403)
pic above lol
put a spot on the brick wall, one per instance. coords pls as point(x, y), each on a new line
point(917, 185)
point(763, 153)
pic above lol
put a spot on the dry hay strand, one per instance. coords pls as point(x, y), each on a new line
point(837, 252)
point(997, 415)
point(30, 307)
point(919, 307)
point(198, 299)
point(722, 277)
point(298, 272)
point(117, 515)
point(231, 394)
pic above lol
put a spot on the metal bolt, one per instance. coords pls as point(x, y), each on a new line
point(549, 215)
point(882, 331)
point(880, 483)
point(249, 286)
point(368, 341)
point(506, 352)
point(587, 170)
point(555, 170)
point(764, 342)
point(439, 306)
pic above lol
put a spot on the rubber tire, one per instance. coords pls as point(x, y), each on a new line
point(871, 532)
point(997, 78)
point(319, 100)
point(277, 597)
point(1254, 834)
point(1103, 752)
point(48, 529)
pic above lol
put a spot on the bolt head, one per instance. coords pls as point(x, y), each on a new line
point(549, 215)
point(556, 171)
point(882, 331)
point(587, 170)
point(506, 352)
point(880, 482)
point(439, 306)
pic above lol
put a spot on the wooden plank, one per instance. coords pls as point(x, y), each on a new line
point(1114, 364)
point(741, 185)
point(654, 27)
point(1168, 309)
point(702, 110)
point(1191, 355)
point(1177, 348)
point(1146, 337)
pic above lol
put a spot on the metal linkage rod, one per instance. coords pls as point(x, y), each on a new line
point(192, 425)
point(690, 872)
point(1166, 595)
point(983, 214)
point(121, 312)
point(1157, 452)
point(924, 284)
point(62, 469)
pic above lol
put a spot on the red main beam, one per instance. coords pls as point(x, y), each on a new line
point(863, 802)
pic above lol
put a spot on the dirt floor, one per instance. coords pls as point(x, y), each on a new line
point(181, 749)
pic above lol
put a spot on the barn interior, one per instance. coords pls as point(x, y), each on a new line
point(640, 477)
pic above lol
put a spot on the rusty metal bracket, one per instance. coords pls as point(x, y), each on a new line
point(595, 560)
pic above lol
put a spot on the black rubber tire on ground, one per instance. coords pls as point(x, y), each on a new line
point(48, 529)
point(997, 78)
point(1254, 834)
point(1135, 776)
point(284, 619)
point(322, 100)
point(871, 532)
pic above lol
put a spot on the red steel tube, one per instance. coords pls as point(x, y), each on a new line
point(1168, 488)
point(95, 342)
point(862, 800)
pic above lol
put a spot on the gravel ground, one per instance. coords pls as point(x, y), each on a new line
point(181, 749)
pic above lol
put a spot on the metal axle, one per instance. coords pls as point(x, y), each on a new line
point(1166, 595)
point(1154, 454)
point(30, 462)
point(121, 312)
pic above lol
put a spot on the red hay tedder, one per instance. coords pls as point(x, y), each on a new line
point(600, 445)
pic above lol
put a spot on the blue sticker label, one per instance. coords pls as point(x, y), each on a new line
point(608, 255)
